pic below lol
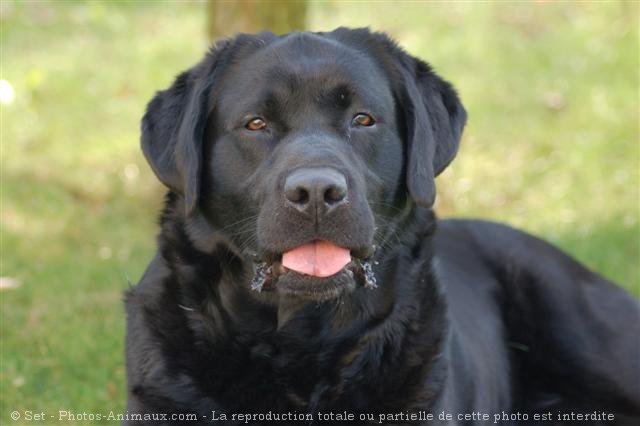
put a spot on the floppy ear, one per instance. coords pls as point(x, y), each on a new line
point(172, 132)
point(435, 118)
point(173, 126)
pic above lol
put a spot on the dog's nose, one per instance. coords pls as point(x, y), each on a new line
point(318, 190)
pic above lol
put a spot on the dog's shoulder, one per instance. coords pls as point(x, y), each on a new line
point(141, 301)
point(487, 237)
point(512, 254)
point(547, 300)
point(156, 272)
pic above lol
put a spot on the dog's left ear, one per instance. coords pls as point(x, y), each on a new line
point(435, 118)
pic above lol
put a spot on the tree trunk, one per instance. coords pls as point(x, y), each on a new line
point(225, 18)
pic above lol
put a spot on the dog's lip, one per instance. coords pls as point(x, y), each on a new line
point(277, 269)
point(268, 269)
point(267, 277)
point(318, 288)
point(284, 270)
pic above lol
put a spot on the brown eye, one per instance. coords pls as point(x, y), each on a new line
point(256, 124)
point(363, 120)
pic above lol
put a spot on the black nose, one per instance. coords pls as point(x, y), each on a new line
point(318, 190)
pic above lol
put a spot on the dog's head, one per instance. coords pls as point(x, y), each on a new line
point(303, 149)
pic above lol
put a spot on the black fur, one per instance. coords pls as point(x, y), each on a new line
point(468, 316)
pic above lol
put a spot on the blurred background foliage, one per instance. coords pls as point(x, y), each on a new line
point(551, 146)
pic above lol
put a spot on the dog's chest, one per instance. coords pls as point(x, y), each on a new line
point(262, 376)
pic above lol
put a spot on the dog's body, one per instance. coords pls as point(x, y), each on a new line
point(422, 316)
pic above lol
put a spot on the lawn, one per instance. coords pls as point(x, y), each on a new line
point(551, 146)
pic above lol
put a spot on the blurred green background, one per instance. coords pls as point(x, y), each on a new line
point(551, 147)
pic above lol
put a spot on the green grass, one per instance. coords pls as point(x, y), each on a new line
point(551, 147)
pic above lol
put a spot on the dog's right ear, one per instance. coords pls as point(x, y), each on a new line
point(166, 141)
point(174, 124)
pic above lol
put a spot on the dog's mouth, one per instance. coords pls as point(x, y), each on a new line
point(318, 269)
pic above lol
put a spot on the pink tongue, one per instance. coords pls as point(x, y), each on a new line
point(319, 258)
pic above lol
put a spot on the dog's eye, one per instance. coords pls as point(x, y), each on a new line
point(363, 119)
point(256, 123)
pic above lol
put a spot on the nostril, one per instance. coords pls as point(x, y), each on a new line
point(334, 194)
point(302, 196)
point(298, 195)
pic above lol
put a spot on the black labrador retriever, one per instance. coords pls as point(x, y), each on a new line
point(302, 277)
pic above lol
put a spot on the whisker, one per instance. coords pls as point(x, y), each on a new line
point(385, 204)
point(241, 221)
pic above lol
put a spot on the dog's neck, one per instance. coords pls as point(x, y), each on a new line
point(324, 345)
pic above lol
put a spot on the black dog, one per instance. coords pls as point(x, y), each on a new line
point(301, 274)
